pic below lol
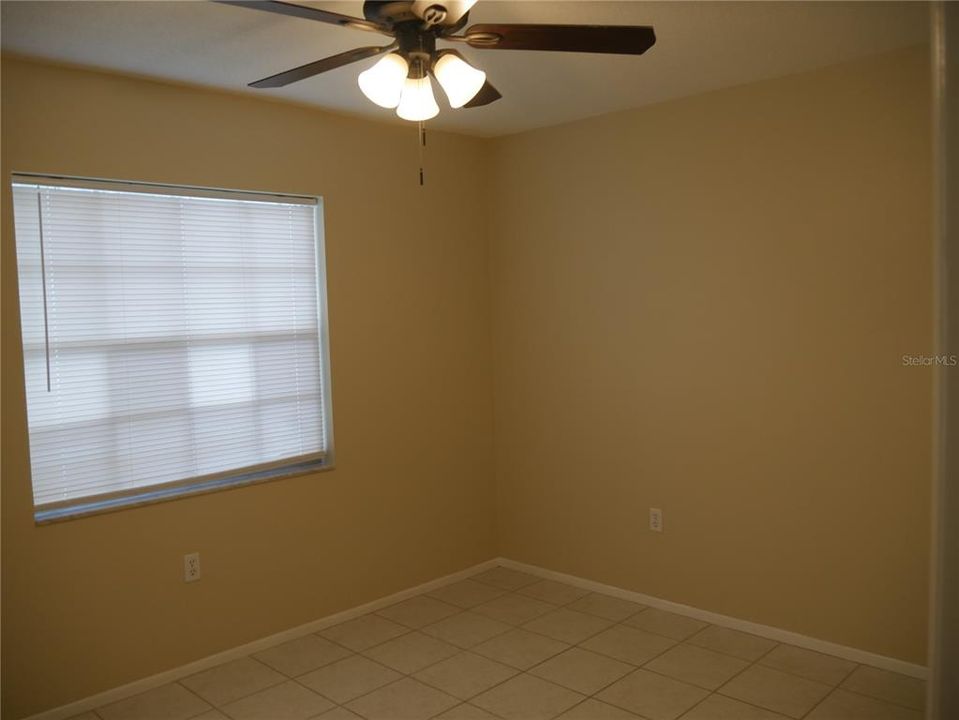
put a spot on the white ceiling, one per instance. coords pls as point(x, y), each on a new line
point(701, 46)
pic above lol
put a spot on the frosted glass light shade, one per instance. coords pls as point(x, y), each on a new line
point(383, 83)
point(459, 80)
point(417, 102)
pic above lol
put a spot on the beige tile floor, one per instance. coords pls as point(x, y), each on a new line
point(507, 645)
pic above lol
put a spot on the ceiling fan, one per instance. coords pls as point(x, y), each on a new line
point(401, 79)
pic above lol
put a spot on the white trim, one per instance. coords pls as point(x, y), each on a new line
point(323, 330)
point(85, 183)
point(168, 676)
point(766, 631)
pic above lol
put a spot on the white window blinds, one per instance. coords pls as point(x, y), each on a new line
point(169, 336)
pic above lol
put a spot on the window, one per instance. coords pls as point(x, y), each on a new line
point(174, 340)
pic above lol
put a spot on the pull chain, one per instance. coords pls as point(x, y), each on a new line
point(43, 283)
point(422, 144)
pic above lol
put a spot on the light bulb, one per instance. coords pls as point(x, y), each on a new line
point(416, 102)
point(460, 80)
point(383, 83)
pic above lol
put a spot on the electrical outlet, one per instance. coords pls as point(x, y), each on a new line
point(191, 567)
point(656, 519)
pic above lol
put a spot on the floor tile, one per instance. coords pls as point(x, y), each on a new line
point(581, 670)
point(843, 705)
point(167, 702)
point(697, 666)
point(465, 675)
point(514, 608)
point(302, 655)
point(466, 712)
point(520, 649)
point(718, 707)
point(553, 592)
point(777, 691)
point(808, 664)
point(466, 629)
point(233, 680)
point(364, 632)
point(346, 679)
point(506, 578)
point(732, 642)
point(84, 716)
point(592, 709)
point(606, 606)
point(411, 652)
point(418, 611)
point(527, 698)
point(339, 713)
point(288, 701)
point(211, 715)
point(629, 644)
point(405, 699)
point(661, 622)
point(885, 685)
point(568, 625)
point(652, 696)
point(466, 593)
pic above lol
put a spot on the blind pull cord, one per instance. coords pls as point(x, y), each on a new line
point(43, 283)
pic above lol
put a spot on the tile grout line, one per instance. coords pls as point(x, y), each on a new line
point(363, 694)
point(879, 699)
point(197, 695)
point(245, 695)
point(821, 701)
point(642, 667)
point(833, 691)
point(733, 677)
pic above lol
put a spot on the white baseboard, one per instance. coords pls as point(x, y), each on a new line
point(766, 631)
point(153, 681)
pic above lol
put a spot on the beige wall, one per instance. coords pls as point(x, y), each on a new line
point(93, 603)
point(702, 306)
point(699, 306)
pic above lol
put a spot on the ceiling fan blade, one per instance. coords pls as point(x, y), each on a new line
point(320, 66)
point(616, 39)
point(486, 95)
point(310, 13)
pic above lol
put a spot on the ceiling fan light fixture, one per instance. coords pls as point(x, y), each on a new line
point(401, 79)
point(383, 83)
point(417, 102)
point(459, 80)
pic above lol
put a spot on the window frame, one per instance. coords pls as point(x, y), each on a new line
point(60, 510)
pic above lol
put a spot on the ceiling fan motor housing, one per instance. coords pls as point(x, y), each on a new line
point(394, 12)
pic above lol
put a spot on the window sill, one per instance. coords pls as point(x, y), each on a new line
point(158, 494)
